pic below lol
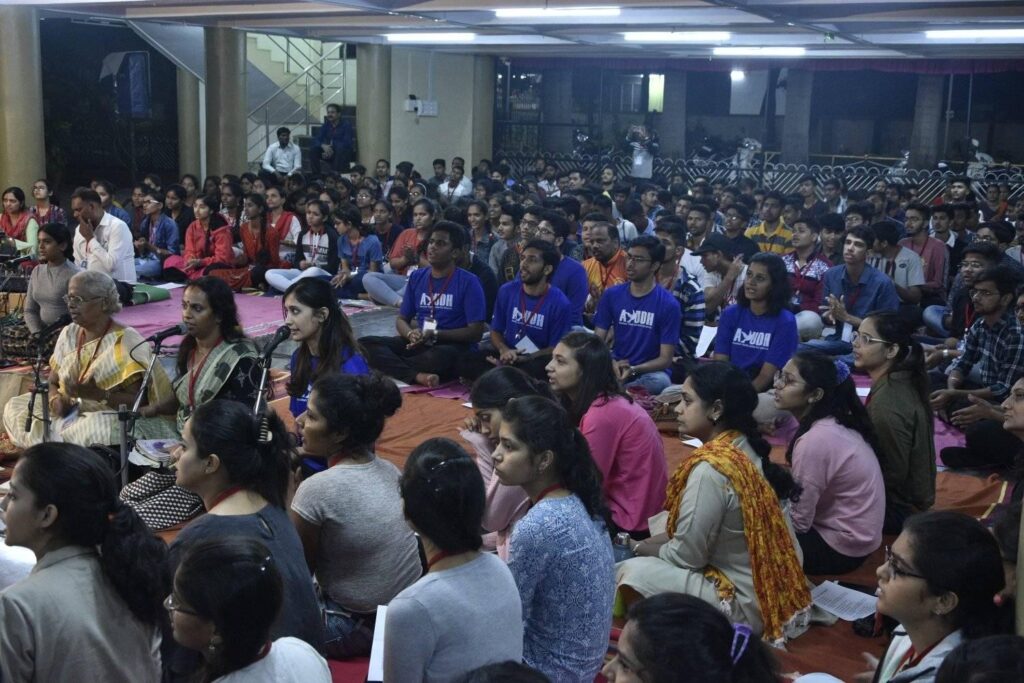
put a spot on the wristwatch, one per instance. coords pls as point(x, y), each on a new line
point(633, 373)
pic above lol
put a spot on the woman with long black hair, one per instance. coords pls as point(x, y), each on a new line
point(560, 552)
point(838, 517)
point(90, 609)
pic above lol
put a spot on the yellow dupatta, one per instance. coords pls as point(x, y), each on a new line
point(779, 581)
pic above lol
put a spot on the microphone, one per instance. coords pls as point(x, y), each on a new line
point(53, 327)
point(282, 333)
point(179, 329)
point(16, 261)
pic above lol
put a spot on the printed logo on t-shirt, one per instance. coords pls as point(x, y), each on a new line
point(536, 320)
point(753, 339)
point(643, 319)
point(446, 301)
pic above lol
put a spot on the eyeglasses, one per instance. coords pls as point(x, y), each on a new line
point(77, 301)
point(867, 339)
point(171, 604)
point(544, 231)
point(978, 293)
point(783, 380)
point(891, 561)
point(637, 259)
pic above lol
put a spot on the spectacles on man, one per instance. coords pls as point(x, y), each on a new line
point(632, 258)
point(979, 293)
point(893, 563)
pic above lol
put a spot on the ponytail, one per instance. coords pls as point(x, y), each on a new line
point(82, 487)
point(910, 357)
point(229, 429)
point(543, 425)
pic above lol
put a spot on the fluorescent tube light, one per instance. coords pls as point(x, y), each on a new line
point(737, 75)
point(759, 51)
point(546, 12)
point(1011, 34)
point(432, 37)
point(677, 36)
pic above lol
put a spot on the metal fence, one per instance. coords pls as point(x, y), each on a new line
point(860, 175)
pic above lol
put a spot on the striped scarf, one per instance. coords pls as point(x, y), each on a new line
point(778, 577)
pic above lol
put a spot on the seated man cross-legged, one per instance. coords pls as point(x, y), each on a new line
point(530, 317)
point(442, 316)
point(640, 319)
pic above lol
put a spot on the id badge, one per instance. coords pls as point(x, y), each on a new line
point(526, 345)
point(429, 326)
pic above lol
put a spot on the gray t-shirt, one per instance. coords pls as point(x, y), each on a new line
point(453, 621)
point(367, 553)
point(44, 301)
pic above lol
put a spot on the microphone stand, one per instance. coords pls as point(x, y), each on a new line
point(264, 364)
point(39, 387)
point(127, 418)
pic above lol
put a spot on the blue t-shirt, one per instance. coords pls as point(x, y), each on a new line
point(516, 315)
point(353, 364)
point(751, 340)
point(642, 324)
point(367, 252)
point(571, 278)
point(456, 302)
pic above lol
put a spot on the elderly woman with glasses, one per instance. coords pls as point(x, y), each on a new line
point(97, 364)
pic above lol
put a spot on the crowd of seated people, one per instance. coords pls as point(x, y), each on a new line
point(567, 303)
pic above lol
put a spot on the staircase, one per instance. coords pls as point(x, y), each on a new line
point(299, 77)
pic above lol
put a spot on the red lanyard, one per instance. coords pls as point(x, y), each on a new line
point(543, 494)
point(223, 495)
point(430, 291)
point(437, 558)
point(335, 460)
point(911, 659)
point(851, 297)
point(533, 313)
point(606, 272)
point(969, 314)
point(355, 253)
point(671, 281)
point(95, 351)
point(194, 373)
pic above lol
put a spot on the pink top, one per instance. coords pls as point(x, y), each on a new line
point(844, 494)
point(627, 448)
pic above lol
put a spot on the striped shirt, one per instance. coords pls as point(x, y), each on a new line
point(778, 242)
point(690, 297)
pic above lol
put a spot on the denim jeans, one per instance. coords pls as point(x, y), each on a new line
point(654, 382)
point(148, 267)
point(933, 321)
point(346, 634)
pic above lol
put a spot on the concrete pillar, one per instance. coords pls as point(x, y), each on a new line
point(373, 104)
point(22, 148)
point(796, 128)
point(928, 111)
point(482, 132)
point(189, 149)
point(556, 104)
point(672, 128)
point(226, 101)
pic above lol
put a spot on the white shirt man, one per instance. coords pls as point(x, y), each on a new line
point(284, 157)
point(110, 249)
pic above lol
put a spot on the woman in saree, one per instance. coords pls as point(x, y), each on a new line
point(215, 361)
point(97, 364)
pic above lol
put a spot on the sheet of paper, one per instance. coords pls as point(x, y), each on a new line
point(526, 345)
point(863, 391)
point(847, 335)
point(707, 336)
point(691, 441)
point(169, 285)
point(376, 672)
point(457, 391)
point(468, 404)
point(845, 603)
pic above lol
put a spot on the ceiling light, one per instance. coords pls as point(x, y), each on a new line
point(676, 36)
point(737, 75)
point(430, 37)
point(545, 12)
point(1013, 34)
point(759, 51)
